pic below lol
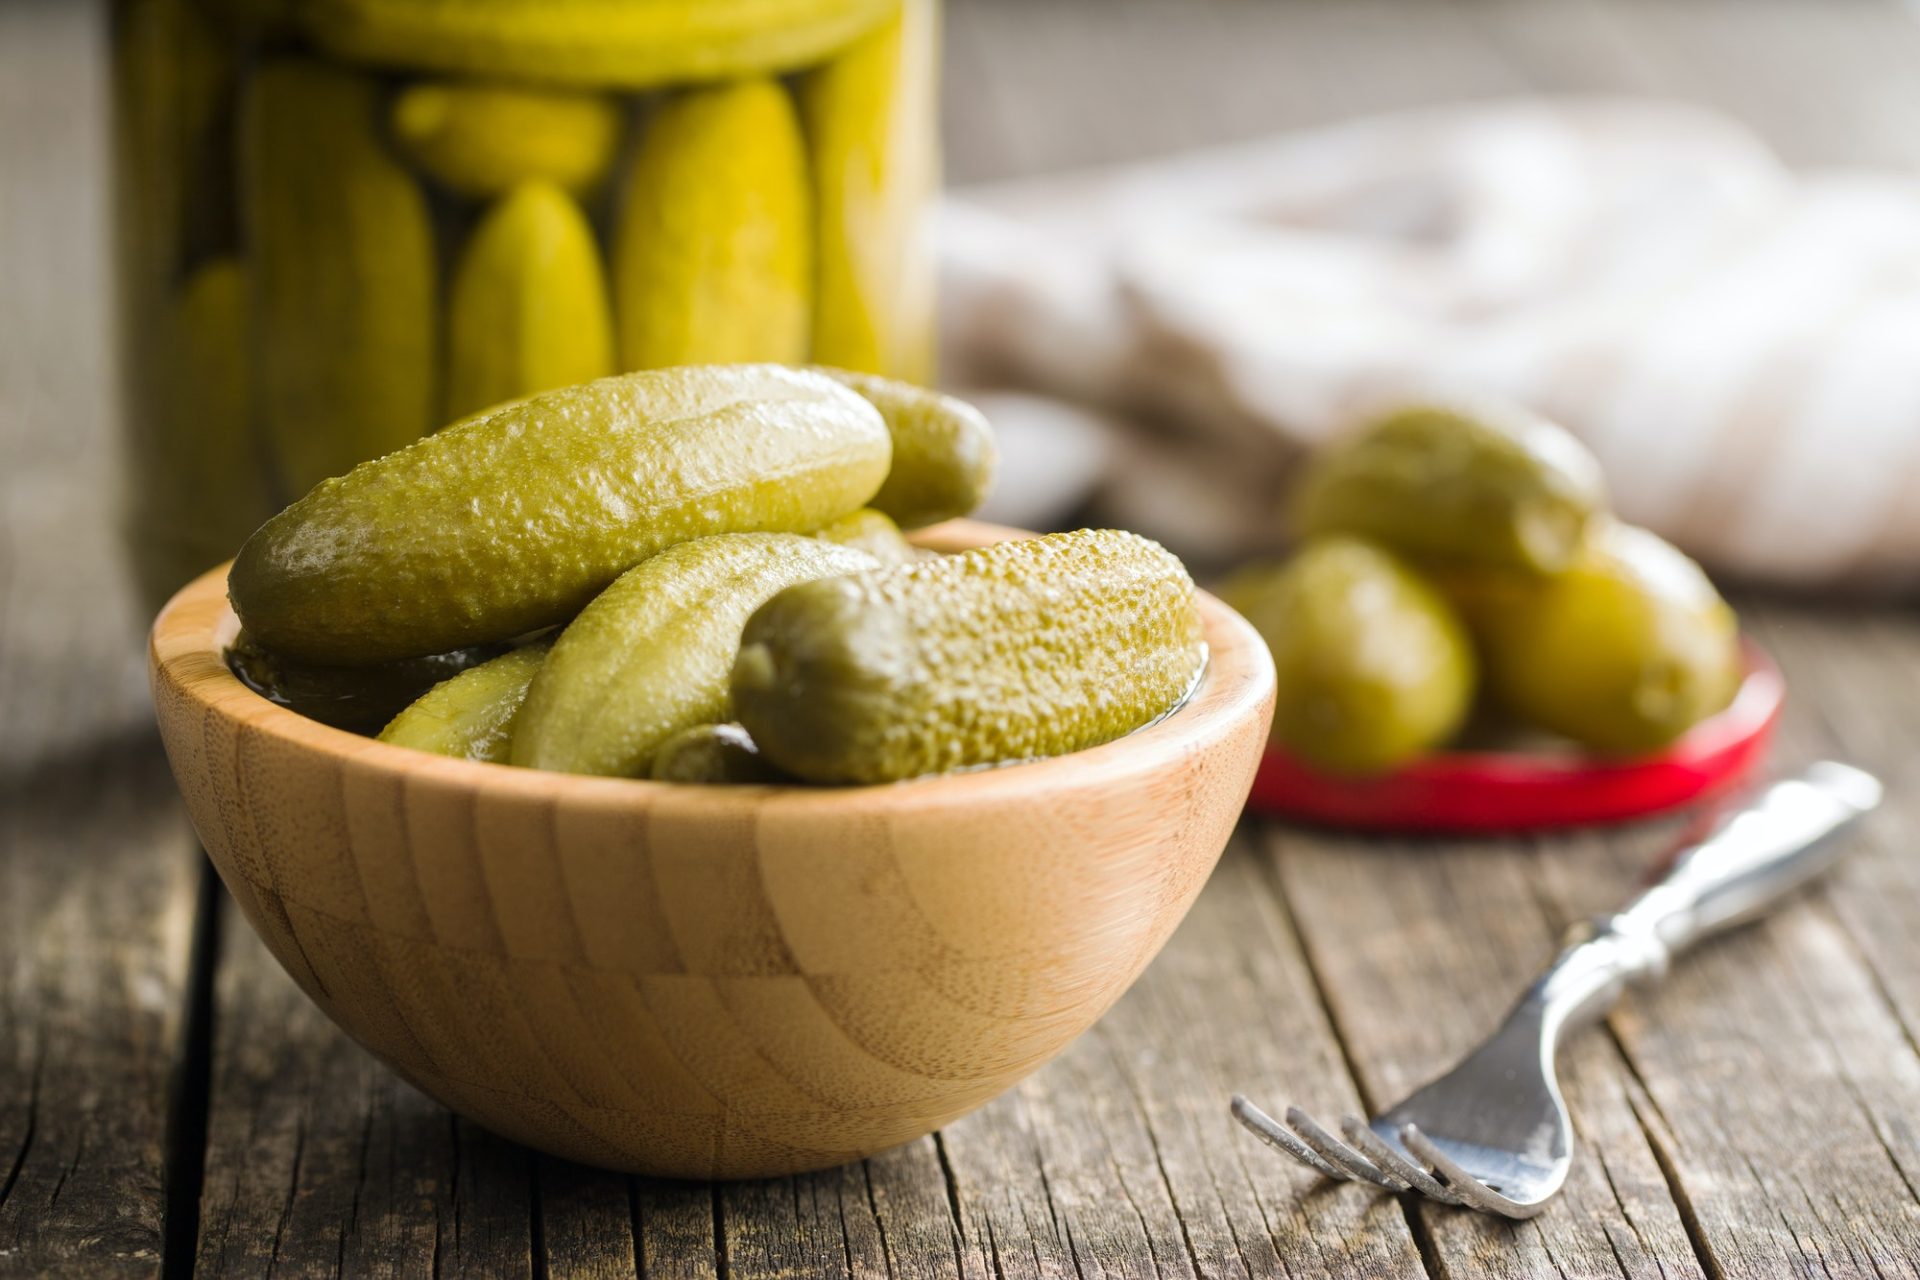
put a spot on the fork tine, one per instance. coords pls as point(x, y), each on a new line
point(1381, 1152)
point(1339, 1152)
point(1474, 1193)
point(1274, 1134)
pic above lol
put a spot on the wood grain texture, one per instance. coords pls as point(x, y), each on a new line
point(86, 815)
point(97, 876)
point(705, 981)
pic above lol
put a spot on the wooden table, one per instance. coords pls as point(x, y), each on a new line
point(169, 1103)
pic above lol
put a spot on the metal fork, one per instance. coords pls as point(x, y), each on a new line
point(1492, 1134)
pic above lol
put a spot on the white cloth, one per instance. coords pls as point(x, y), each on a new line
point(1739, 344)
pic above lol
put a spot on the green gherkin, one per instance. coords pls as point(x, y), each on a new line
point(713, 255)
point(629, 44)
point(529, 309)
point(650, 656)
point(872, 532)
point(1623, 652)
point(871, 115)
point(341, 249)
point(471, 716)
point(1488, 486)
point(712, 753)
point(483, 140)
point(1371, 666)
point(1011, 652)
point(514, 519)
point(944, 456)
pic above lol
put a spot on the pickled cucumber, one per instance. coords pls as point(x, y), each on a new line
point(872, 532)
point(1371, 665)
point(1624, 652)
point(1010, 652)
point(483, 140)
point(943, 450)
point(713, 254)
point(470, 717)
point(651, 655)
point(629, 44)
point(1487, 486)
point(528, 310)
point(712, 753)
point(357, 699)
point(173, 74)
point(202, 485)
point(515, 518)
point(343, 272)
point(872, 137)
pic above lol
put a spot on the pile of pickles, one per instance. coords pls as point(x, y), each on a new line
point(698, 574)
point(345, 222)
point(1459, 572)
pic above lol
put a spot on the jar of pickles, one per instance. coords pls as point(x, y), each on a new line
point(343, 223)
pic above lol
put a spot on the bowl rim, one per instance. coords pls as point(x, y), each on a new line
point(186, 655)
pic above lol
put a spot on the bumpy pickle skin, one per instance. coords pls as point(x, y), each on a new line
point(1372, 667)
point(528, 310)
point(1623, 652)
point(513, 519)
point(651, 655)
point(1006, 653)
point(482, 140)
point(872, 532)
point(944, 456)
point(710, 754)
point(627, 44)
point(470, 717)
point(343, 267)
point(713, 256)
point(870, 116)
point(357, 699)
point(1482, 485)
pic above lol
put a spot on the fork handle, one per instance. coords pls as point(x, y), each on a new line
point(1756, 854)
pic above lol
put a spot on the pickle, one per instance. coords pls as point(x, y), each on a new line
point(357, 699)
point(872, 532)
point(173, 74)
point(712, 753)
point(202, 489)
point(471, 716)
point(483, 140)
point(870, 116)
point(1010, 652)
point(651, 655)
point(528, 310)
point(713, 253)
point(514, 518)
point(631, 44)
point(1492, 487)
point(1623, 652)
point(173, 79)
point(1372, 668)
point(343, 272)
point(943, 450)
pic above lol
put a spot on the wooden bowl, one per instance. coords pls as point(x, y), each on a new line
point(705, 981)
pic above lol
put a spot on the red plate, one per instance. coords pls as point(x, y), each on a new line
point(1515, 791)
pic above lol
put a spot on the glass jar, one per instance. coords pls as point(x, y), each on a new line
point(343, 223)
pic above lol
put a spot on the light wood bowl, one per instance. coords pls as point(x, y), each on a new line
point(705, 981)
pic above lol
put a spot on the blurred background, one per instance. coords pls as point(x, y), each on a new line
point(1183, 237)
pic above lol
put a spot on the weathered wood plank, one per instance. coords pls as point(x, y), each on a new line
point(1420, 947)
point(97, 876)
point(319, 1159)
point(1120, 1157)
